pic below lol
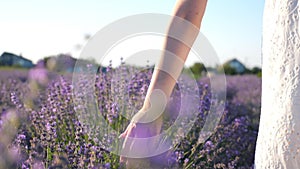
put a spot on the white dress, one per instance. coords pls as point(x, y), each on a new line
point(278, 142)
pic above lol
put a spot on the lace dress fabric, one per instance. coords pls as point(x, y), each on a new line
point(278, 142)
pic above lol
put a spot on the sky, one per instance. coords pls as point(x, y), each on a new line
point(36, 29)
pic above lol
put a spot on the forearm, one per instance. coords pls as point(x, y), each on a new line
point(176, 51)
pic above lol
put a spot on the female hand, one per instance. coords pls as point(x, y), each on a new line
point(136, 147)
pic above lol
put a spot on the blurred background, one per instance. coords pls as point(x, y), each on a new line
point(36, 29)
point(40, 43)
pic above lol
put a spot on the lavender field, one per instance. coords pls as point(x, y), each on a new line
point(40, 126)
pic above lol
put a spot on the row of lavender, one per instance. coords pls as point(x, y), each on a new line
point(40, 126)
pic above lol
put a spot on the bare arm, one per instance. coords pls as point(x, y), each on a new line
point(188, 10)
point(192, 11)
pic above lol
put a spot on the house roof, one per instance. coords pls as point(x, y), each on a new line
point(13, 55)
point(234, 60)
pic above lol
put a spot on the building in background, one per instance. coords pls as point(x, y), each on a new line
point(234, 66)
point(10, 59)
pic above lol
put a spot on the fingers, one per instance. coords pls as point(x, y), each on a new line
point(123, 159)
point(133, 141)
point(126, 145)
point(128, 130)
point(135, 148)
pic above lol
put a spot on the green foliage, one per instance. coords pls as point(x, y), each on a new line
point(256, 71)
point(228, 70)
point(259, 74)
point(197, 69)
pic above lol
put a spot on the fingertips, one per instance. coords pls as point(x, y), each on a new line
point(133, 125)
point(122, 159)
point(128, 130)
point(122, 135)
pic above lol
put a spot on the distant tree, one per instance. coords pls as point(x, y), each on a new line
point(255, 70)
point(259, 74)
point(228, 70)
point(197, 69)
point(248, 71)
